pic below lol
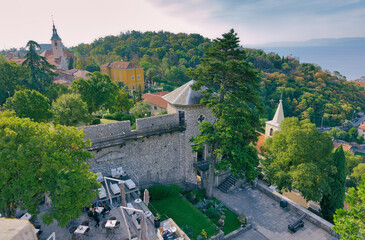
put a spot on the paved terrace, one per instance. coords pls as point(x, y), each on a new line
point(269, 220)
point(100, 233)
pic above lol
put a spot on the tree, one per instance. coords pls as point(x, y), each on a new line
point(11, 76)
point(358, 172)
point(352, 161)
point(70, 63)
point(30, 104)
point(56, 90)
point(69, 109)
point(40, 70)
point(297, 157)
point(231, 93)
point(96, 91)
point(334, 199)
point(141, 109)
point(349, 221)
point(36, 159)
point(121, 102)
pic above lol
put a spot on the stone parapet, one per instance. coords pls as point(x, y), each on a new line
point(311, 217)
point(157, 121)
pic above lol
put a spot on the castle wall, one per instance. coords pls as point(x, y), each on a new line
point(157, 121)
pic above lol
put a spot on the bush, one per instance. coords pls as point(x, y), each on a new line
point(158, 192)
point(212, 213)
point(188, 230)
point(95, 121)
point(120, 117)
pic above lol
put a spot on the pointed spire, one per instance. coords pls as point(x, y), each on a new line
point(279, 115)
point(54, 35)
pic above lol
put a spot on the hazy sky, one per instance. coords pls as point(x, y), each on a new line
point(256, 21)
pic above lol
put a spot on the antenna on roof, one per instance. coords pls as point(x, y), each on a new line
point(52, 19)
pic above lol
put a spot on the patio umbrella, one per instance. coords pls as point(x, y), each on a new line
point(143, 234)
point(122, 194)
point(146, 197)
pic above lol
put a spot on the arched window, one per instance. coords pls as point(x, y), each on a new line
point(271, 132)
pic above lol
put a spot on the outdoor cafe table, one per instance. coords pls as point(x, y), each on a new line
point(81, 229)
point(110, 223)
point(26, 216)
point(99, 209)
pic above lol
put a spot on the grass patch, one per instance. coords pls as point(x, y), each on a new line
point(231, 222)
point(183, 212)
point(104, 121)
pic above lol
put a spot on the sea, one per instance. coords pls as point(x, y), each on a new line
point(348, 60)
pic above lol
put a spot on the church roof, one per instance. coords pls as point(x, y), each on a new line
point(184, 95)
point(54, 34)
point(279, 115)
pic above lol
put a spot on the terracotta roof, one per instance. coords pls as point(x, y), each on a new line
point(49, 53)
point(121, 65)
point(359, 83)
point(260, 141)
point(362, 126)
point(61, 82)
point(156, 99)
point(346, 147)
point(17, 60)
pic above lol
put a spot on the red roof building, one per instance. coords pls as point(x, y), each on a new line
point(156, 101)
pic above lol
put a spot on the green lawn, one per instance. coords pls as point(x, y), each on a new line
point(104, 121)
point(183, 212)
point(231, 222)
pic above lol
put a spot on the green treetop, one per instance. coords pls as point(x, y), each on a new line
point(40, 70)
point(35, 159)
point(334, 199)
point(97, 91)
point(230, 87)
point(30, 104)
point(350, 221)
point(298, 157)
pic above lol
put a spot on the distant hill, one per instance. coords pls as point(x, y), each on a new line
point(345, 55)
point(320, 42)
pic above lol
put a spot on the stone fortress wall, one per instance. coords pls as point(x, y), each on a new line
point(154, 151)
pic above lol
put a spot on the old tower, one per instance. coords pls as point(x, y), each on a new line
point(274, 124)
point(56, 44)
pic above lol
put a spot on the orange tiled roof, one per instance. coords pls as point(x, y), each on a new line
point(260, 142)
point(362, 126)
point(49, 53)
point(156, 99)
point(346, 147)
point(17, 60)
point(120, 65)
point(359, 83)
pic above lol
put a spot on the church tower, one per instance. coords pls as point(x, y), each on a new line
point(56, 44)
point(274, 124)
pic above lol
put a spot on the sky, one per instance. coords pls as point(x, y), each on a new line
point(255, 21)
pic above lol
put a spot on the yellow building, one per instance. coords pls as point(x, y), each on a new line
point(130, 74)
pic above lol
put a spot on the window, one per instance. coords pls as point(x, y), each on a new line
point(155, 107)
point(271, 132)
point(139, 77)
point(132, 77)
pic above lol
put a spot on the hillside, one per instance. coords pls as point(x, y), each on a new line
point(308, 91)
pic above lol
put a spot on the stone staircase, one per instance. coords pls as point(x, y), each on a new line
point(227, 184)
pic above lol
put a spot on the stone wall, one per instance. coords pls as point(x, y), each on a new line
point(157, 121)
point(313, 218)
point(106, 130)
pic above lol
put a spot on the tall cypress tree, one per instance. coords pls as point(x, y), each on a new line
point(336, 197)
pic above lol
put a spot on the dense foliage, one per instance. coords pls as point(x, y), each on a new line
point(349, 221)
point(334, 199)
point(298, 157)
point(30, 104)
point(35, 159)
point(158, 192)
point(163, 55)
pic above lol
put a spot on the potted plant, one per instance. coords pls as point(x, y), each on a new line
point(157, 220)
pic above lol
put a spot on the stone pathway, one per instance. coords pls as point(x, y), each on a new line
point(269, 220)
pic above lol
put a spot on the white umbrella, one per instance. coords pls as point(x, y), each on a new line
point(143, 234)
point(146, 197)
point(122, 194)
